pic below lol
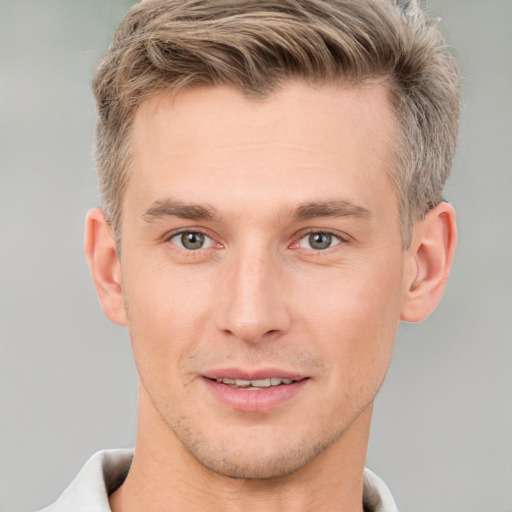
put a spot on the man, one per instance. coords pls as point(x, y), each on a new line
point(271, 174)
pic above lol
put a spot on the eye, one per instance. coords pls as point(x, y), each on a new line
point(319, 241)
point(192, 240)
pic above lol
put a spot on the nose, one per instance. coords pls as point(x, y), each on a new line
point(253, 297)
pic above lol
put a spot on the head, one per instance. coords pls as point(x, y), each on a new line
point(272, 172)
point(255, 47)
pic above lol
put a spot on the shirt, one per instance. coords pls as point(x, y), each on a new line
point(106, 470)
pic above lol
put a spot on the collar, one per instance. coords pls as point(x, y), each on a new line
point(106, 470)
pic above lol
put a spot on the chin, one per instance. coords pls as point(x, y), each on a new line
point(265, 467)
point(254, 457)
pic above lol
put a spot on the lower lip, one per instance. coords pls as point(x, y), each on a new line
point(255, 400)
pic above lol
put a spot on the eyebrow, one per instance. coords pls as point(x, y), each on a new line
point(337, 208)
point(331, 208)
point(171, 208)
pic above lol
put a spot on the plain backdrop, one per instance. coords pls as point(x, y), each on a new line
point(442, 431)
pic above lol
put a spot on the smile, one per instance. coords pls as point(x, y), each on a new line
point(254, 384)
point(254, 391)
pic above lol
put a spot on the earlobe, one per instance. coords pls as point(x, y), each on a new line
point(104, 264)
point(430, 260)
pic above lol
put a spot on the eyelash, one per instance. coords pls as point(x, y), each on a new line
point(294, 245)
point(336, 235)
point(170, 236)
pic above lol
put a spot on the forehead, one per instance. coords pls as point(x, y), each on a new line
point(294, 107)
point(213, 142)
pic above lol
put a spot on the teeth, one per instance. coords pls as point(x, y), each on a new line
point(262, 383)
point(258, 383)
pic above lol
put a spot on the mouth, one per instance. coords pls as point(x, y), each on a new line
point(255, 384)
point(255, 391)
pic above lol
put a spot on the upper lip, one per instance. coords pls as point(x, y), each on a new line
point(256, 374)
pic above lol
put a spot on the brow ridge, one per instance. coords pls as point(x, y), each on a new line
point(331, 208)
point(337, 208)
point(171, 208)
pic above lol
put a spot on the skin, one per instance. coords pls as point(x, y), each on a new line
point(256, 179)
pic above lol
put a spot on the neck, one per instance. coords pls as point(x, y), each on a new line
point(164, 476)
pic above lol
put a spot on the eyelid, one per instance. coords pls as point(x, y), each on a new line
point(342, 237)
point(176, 232)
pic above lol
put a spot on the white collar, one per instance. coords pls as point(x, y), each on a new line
point(107, 469)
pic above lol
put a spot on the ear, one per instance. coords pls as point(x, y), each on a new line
point(104, 264)
point(430, 259)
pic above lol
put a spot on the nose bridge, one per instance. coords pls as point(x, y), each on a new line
point(252, 303)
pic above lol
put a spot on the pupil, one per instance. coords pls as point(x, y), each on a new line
point(320, 240)
point(192, 240)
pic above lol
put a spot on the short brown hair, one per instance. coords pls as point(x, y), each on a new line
point(255, 46)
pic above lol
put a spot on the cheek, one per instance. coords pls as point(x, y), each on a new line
point(166, 314)
point(354, 314)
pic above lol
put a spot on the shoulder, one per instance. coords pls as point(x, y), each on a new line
point(101, 475)
point(376, 495)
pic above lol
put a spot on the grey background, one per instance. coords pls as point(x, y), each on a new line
point(441, 435)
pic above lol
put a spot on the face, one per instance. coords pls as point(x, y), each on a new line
point(262, 269)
